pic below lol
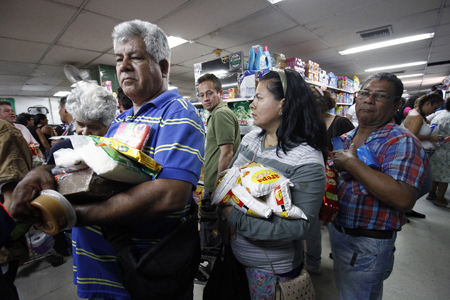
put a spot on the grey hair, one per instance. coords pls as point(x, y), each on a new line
point(90, 102)
point(155, 39)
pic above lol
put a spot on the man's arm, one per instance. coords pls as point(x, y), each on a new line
point(385, 188)
point(142, 203)
point(226, 155)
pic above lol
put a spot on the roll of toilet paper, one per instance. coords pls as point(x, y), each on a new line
point(57, 213)
point(42, 243)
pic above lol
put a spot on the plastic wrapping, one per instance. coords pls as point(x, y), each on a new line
point(259, 179)
point(243, 201)
point(280, 201)
point(85, 186)
point(230, 180)
point(133, 134)
point(107, 162)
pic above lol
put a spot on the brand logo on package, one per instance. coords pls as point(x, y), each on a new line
point(265, 177)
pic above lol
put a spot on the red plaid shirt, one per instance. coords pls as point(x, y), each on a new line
point(401, 156)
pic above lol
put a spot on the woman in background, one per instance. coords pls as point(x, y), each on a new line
point(336, 126)
point(416, 122)
point(351, 114)
point(41, 122)
point(291, 139)
point(93, 108)
point(440, 161)
point(27, 120)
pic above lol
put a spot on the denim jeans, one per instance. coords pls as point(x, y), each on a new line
point(361, 264)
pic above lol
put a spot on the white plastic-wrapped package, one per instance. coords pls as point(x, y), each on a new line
point(246, 203)
point(259, 179)
point(107, 162)
point(280, 201)
point(230, 180)
point(69, 158)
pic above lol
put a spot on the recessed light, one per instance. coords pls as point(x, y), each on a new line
point(61, 94)
point(412, 75)
point(404, 40)
point(417, 63)
point(274, 1)
point(412, 81)
point(175, 41)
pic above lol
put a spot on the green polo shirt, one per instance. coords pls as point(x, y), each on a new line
point(222, 128)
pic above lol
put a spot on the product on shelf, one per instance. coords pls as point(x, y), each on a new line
point(332, 80)
point(296, 64)
point(312, 71)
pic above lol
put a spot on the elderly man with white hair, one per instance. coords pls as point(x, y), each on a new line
point(152, 227)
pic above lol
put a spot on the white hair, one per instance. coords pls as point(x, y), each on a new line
point(90, 102)
point(155, 39)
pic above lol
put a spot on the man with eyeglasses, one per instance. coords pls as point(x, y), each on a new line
point(374, 200)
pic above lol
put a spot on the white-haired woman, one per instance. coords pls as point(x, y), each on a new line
point(93, 109)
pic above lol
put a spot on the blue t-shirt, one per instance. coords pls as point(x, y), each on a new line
point(176, 141)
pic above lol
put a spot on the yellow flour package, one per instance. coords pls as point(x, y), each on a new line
point(230, 180)
point(259, 179)
point(280, 201)
point(246, 203)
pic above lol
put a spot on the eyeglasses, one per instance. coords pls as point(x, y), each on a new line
point(378, 96)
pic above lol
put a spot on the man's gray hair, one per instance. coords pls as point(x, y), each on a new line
point(90, 102)
point(155, 39)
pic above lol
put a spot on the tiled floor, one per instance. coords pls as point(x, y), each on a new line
point(421, 271)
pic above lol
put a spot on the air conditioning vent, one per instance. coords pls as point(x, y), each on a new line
point(375, 33)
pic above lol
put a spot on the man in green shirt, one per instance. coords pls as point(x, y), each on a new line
point(222, 137)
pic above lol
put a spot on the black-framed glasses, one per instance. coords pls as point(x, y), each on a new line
point(378, 96)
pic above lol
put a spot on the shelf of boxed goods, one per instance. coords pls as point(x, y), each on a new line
point(332, 88)
point(199, 104)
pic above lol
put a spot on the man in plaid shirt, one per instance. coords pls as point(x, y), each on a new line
point(374, 199)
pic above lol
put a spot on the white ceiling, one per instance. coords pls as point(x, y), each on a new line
point(38, 37)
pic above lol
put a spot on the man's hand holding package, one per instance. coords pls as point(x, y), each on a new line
point(342, 158)
point(38, 179)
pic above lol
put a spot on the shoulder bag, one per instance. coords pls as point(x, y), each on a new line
point(299, 288)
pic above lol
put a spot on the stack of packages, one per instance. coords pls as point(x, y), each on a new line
point(257, 190)
point(296, 64)
point(98, 168)
point(312, 71)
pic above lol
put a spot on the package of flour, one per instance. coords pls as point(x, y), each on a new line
point(230, 180)
point(280, 201)
point(68, 158)
point(241, 199)
point(107, 162)
point(259, 179)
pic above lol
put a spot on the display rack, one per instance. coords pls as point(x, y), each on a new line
point(199, 104)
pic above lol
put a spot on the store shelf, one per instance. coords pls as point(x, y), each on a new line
point(329, 87)
point(227, 100)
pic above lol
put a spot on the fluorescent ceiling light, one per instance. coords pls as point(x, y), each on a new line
point(61, 94)
point(417, 63)
point(230, 84)
point(175, 41)
point(171, 87)
point(274, 1)
point(407, 76)
point(388, 43)
point(413, 81)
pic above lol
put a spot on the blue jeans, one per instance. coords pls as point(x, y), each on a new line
point(361, 264)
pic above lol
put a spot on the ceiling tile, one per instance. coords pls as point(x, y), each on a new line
point(62, 55)
point(37, 88)
point(49, 71)
point(363, 18)
point(262, 24)
point(176, 70)
point(134, 9)
point(18, 51)
point(189, 51)
point(309, 11)
point(198, 18)
point(31, 19)
point(301, 49)
point(44, 81)
point(9, 89)
point(16, 68)
point(89, 31)
point(13, 80)
point(104, 59)
point(277, 40)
